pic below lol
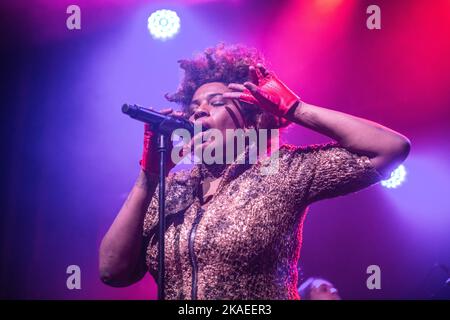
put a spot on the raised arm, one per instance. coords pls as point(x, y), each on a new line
point(384, 147)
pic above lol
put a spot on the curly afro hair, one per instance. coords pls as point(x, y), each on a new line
point(226, 64)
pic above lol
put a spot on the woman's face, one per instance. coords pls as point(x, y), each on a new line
point(212, 111)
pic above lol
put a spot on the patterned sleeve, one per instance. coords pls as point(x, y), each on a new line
point(179, 196)
point(151, 217)
point(329, 170)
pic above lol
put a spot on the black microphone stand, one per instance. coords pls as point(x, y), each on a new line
point(162, 150)
point(164, 125)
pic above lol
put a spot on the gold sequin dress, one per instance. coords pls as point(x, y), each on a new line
point(246, 243)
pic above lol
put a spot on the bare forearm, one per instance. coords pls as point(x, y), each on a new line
point(121, 247)
point(383, 146)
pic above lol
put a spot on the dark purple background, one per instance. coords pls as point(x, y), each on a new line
point(69, 157)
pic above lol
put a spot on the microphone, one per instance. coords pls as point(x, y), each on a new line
point(159, 122)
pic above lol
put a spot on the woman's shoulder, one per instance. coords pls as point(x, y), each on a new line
point(326, 153)
point(181, 176)
point(185, 178)
point(180, 191)
point(310, 148)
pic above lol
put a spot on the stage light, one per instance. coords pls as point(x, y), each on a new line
point(396, 179)
point(163, 24)
point(327, 6)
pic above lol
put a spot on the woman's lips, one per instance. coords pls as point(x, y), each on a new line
point(204, 125)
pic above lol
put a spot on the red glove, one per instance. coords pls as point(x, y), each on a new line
point(266, 91)
point(150, 156)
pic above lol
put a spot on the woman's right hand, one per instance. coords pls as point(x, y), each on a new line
point(150, 158)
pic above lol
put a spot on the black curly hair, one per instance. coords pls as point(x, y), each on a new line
point(226, 64)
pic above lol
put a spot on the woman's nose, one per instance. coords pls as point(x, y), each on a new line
point(200, 112)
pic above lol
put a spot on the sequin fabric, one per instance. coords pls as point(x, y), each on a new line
point(248, 239)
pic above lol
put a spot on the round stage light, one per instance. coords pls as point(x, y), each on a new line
point(163, 24)
point(396, 179)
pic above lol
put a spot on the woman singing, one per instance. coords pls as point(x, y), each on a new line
point(234, 232)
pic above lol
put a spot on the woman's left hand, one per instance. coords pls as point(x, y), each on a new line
point(265, 90)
